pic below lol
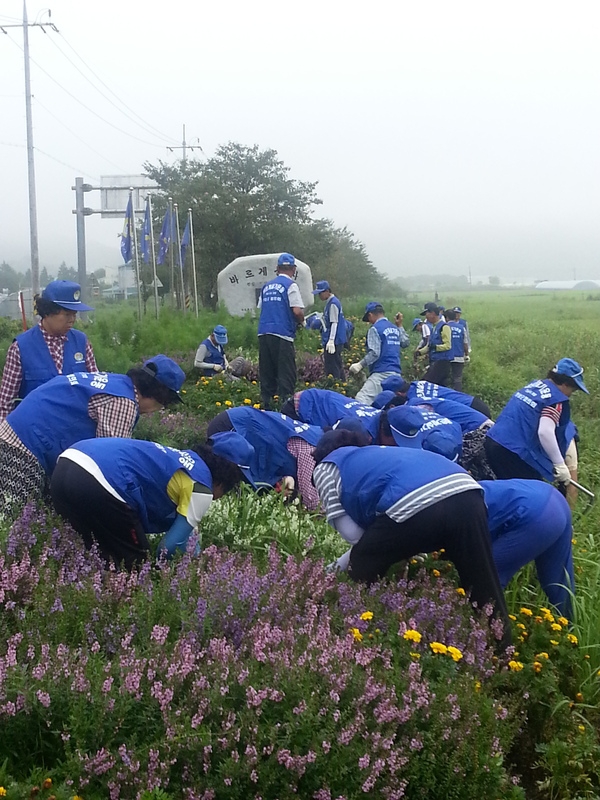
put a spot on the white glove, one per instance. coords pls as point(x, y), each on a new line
point(467, 359)
point(217, 368)
point(355, 368)
point(330, 346)
point(561, 474)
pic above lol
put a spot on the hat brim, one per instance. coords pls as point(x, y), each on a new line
point(581, 384)
point(220, 339)
point(248, 476)
point(318, 291)
point(73, 306)
point(405, 440)
point(420, 322)
point(175, 396)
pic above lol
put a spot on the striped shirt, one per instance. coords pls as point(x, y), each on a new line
point(328, 480)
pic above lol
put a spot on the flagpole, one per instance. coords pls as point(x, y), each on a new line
point(136, 256)
point(193, 261)
point(149, 199)
point(180, 264)
point(173, 290)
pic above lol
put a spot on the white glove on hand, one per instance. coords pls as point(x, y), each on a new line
point(330, 347)
point(217, 368)
point(355, 368)
point(561, 474)
point(467, 359)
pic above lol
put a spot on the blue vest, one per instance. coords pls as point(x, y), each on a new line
point(215, 355)
point(389, 358)
point(269, 432)
point(514, 502)
point(517, 426)
point(467, 417)
point(435, 339)
point(55, 416)
point(457, 337)
point(140, 472)
point(427, 391)
point(340, 334)
point(36, 362)
point(324, 408)
point(374, 478)
point(433, 421)
point(276, 316)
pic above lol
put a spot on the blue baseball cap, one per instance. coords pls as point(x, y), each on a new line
point(66, 294)
point(383, 398)
point(395, 383)
point(443, 442)
point(352, 424)
point(458, 309)
point(220, 334)
point(372, 307)
point(286, 260)
point(322, 286)
point(432, 308)
point(167, 372)
point(416, 321)
point(406, 422)
point(233, 447)
point(570, 367)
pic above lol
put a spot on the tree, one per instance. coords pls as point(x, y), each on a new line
point(9, 278)
point(244, 202)
point(494, 280)
point(67, 273)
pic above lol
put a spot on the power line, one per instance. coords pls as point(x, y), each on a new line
point(76, 170)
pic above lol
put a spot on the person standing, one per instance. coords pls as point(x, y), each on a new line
point(383, 343)
point(210, 355)
point(460, 350)
point(533, 434)
point(463, 323)
point(281, 311)
point(52, 347)
point(439, 346)
point(333, 337)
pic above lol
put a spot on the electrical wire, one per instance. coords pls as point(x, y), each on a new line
point(76, 170)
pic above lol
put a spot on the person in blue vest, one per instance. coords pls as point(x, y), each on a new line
point(52, 347)
point(333, 337)
point(324, 407)
point(210, 355)
point(460, 350)
point(115, 492)
point(283, 448)
point(534, 433)
point(531, 521)
point(281, 311)
point(426, 390)
point(72, 407)
point(464, 324)
point(383, 344)
point(391, 503)
point(439, 346)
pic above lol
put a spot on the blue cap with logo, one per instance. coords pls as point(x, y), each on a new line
point(372, 308)
point(286, 260)
point(406, 422)
point(233, 447)
point(458, 309)
point(66, 294)
point(167, 372)
point(322, 286)
point(570, 367)
point(395, 383)
point(220, 334)
point(443, 442)
point(383, 398)
point(416, 321)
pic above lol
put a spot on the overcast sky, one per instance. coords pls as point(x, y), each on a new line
point(445, 134)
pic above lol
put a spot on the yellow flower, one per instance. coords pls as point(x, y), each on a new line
point(556, 627)
point(527, 612)
point(572, 638)
point(461, 591)
point(438, 647)
point(512, 616)
point(545, 610)
point(2, 791)
point(542, 655)
point(537, 666)
point(521, 626)
point(256, 405)
point(455, 653)
point(247, 401)
point(413, 561)
point(563, 621)
point(47, 783)
point(357, 634)
point(477, 686)
point(436, 573)
point(515, 666)
point(412, 636)
point(581, 728)
point(253, 383)
point(366, 615)
point(183, 391)
point(77, 797)
point(579, 697)
point(554, 642)
point(228, 403)
point(573, 541)
point(415, 655)
point(217, 403)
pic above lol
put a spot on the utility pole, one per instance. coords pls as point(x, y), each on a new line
point(33, 230)
point(184, 147)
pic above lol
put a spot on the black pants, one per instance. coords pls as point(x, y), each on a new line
point(482, 407)
point(507, 464)
point(276, 367)
point(219, 424)
point(457, 524)
point(456, 369)
point(289, 409)
point(97, 515)
point(438, 372)
point(333, 364)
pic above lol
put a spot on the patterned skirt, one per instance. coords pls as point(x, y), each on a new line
point(22, 478)
point(473, 457)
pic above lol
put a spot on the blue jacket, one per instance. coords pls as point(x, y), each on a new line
point(276, 316)
point(140, 472)
point(457, 333)
point(374, 478)
point(427, 390)
point(517, 426)
point(467, 417)
point(269, 432)
point(215, 355)
point(436, 339)
point(514, 502)
point(55, 416)
point(36, 362)
point(324, 408)
point(340, 334)
point(389, 357)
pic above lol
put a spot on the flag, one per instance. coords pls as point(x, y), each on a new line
point(166, 237)
point(127, 235)
point(146, 228)
point(185, 241)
